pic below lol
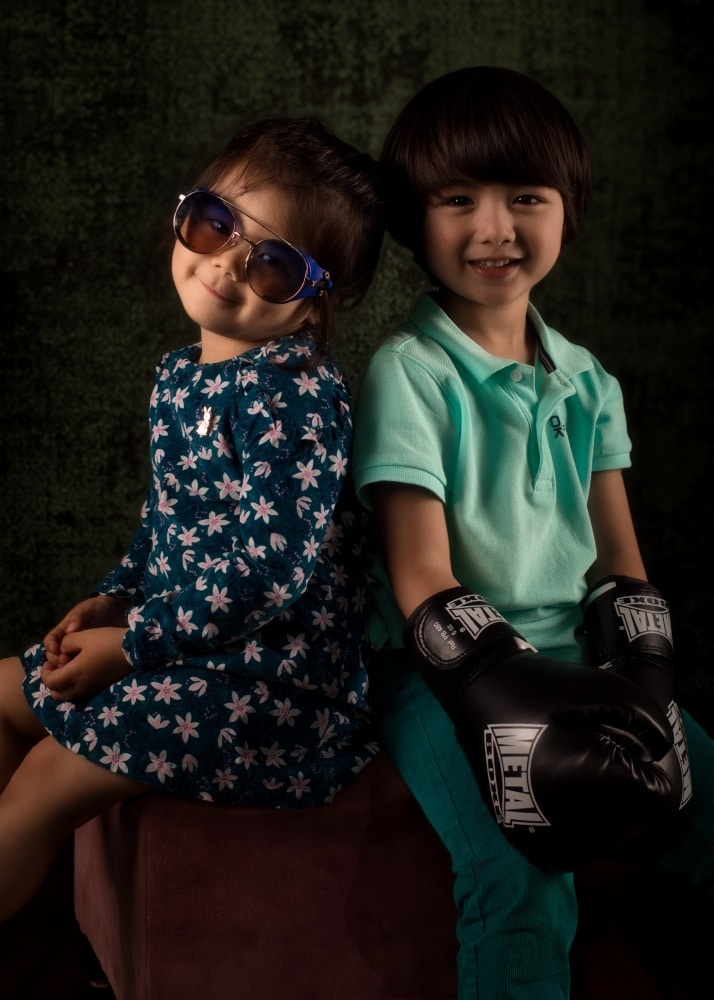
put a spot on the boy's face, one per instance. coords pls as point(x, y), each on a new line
point(489, 244)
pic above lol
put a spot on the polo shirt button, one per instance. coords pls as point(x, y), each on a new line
point(516, 375)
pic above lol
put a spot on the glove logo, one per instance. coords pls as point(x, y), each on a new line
point(509, 751)
point(473, 613)
point(644, 614)
point(676, 721)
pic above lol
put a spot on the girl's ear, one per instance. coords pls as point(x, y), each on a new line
point(311, 316)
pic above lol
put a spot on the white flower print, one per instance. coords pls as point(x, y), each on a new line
point(214, 386)
point(321, 516)
point(323, 618)
point(198, 685)
point(115, 758)
point(302, 504)
point(255, 551)
point(252, 650)
point(226, 735)
point(134, 692)
point(40, 696)
point(188, 536)
point(274, 434)
point(228, 487)
point(166, 690)
point(278, 543)
point(299, 785)
point(195, 490)
point(184, 623)
point(189, 763)
point(215, 522)
point(91, 739)
point(224, 779)
point(134, 618)
point(306, 384)
point(219, 599)
point(339, 464)
point(189, 461)
point(262, 470)
point(179, 397)
point(160, 766)
point(297, 645)
point(240, 707)
point(264, 510)
point(273, 755)
point(160, 429)
point(284, 712)
point(277, 596)
point(246, 756)
point(307, 474)
point(186, 727)
point(310, 548)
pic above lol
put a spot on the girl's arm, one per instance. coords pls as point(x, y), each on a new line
point(618, 552)
point(415, 542)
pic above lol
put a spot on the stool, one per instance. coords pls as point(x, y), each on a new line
point(182, 899)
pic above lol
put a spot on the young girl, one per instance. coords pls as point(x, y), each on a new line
point(224, 657)
point(490, 449)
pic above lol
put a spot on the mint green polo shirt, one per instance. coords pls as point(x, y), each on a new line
point(509, 449)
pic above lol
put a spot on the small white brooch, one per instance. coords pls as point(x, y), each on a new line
point(205, 424)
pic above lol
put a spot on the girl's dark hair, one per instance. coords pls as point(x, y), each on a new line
point(484, 123)
point(336, 211)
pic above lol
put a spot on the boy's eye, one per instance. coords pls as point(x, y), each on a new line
point(456, 199)
point(527, 199)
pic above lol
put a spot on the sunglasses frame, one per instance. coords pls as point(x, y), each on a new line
point(316, 279)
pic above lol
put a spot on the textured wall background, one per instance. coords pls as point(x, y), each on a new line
point(108, 108)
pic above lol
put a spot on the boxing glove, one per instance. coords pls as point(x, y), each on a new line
point(629, 632)
point(564, 756)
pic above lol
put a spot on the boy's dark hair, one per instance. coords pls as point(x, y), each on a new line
point(337, 201)
point(484, 123)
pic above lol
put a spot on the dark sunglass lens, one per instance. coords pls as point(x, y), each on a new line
point(275, 271)
point(203, 223)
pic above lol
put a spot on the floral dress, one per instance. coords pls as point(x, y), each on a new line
point(246, 588)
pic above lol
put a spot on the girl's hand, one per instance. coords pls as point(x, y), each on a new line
point(92, 659)
point(96, 612)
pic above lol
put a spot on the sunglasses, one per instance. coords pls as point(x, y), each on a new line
point(275, 269)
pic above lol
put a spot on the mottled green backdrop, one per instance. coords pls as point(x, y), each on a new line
point(108, 107)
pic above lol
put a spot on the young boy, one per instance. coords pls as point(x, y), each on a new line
point(491, 451)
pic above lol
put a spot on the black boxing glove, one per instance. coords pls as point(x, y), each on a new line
point(629, 632)
point(564, 756)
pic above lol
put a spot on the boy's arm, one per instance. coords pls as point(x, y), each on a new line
point(615, 538)
point(629, 633)
point(491, 681)
point(414, 542)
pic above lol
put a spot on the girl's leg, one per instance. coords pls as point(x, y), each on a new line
point(20, 728)
point(51, 792)
point(517, 924)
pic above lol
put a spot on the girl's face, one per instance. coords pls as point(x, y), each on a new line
point(489, 244)
point(215, 293)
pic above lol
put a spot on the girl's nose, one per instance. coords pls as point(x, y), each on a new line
point(232, 258)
